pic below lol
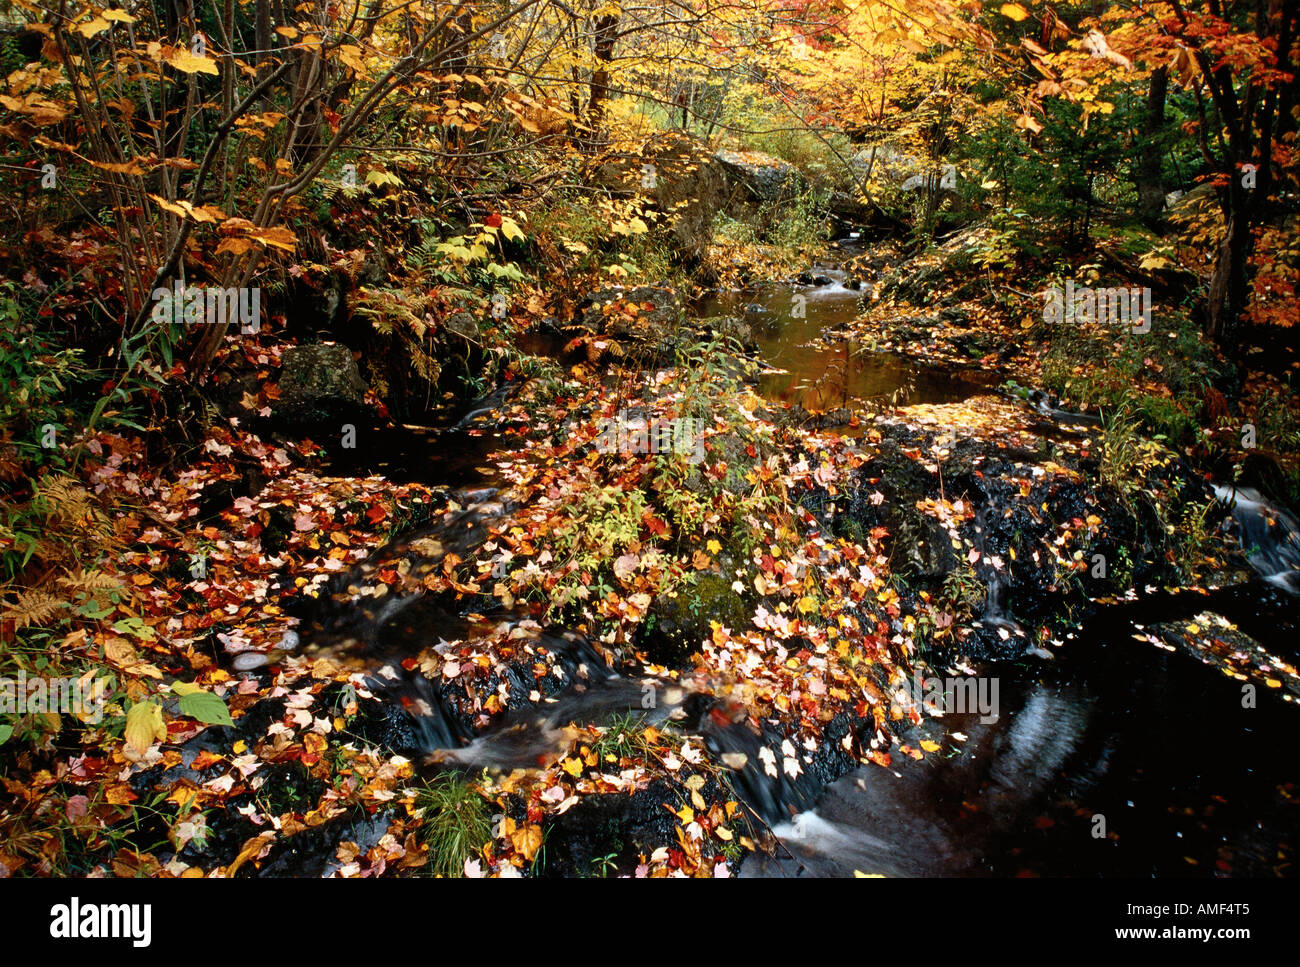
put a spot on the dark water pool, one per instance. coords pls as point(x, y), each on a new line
point(1126, 760)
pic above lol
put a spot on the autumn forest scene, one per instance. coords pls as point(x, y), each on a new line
point(598, 438)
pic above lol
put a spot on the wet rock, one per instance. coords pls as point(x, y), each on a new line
point(608, 834)
point(1015, 529)
point(814, 279)
point(728, 329)
point(678, 623)
point(648, 319)
point(320, 384)
point(797, 415)
point(312, 852)
point(921, 548)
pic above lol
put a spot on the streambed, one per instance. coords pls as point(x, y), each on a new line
point(1116, 755)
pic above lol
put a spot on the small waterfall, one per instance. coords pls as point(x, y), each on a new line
point(940, 816)
point(1270, 535)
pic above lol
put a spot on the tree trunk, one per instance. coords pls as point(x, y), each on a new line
point(605, 34)
point(1229, 285)
point(1151, 191)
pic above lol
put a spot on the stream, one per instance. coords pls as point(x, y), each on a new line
point(803, 368)
point(1116, 757)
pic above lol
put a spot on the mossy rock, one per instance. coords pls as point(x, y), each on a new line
point(677, 623)
point(320, 384)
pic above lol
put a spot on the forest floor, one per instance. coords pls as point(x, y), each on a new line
point(753, 617)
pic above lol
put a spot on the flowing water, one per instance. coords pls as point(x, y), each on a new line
point(1117, 758)
point(1132, 762)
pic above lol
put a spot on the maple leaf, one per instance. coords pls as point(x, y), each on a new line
point(279, 237)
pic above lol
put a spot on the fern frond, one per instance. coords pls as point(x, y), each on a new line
point(32, 607)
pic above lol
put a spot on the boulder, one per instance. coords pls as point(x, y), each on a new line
point(730, 329)
point(679, 622)
point(966, 516)
point(462, 324)
point(647, 316)
point(320, 383)
point(765, 178)
point(685, 182)
point(885, 163)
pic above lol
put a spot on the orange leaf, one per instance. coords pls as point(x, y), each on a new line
point(527, 840)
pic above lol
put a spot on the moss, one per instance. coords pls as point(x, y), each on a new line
point(678, 623)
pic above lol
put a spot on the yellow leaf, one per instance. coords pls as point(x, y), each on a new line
point(189, 63)
point(1028, 123)
point(686, 814)
point(92, 27)
point(119, 16)
point(807, 604)
point(278, 237)
point(929, 746)
point(713, 546)
point(144, 724)
point(185, 209)
point(253, 849)
point(350, 54)
point(236, 246)
point(510, 228)
point(129, 168)
point(572, 766)
point(1014, 11)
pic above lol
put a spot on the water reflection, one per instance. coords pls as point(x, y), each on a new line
point(788, 322)
point(1115, 766)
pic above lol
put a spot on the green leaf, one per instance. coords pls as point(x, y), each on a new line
point(206, 707)
point(5, 732)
